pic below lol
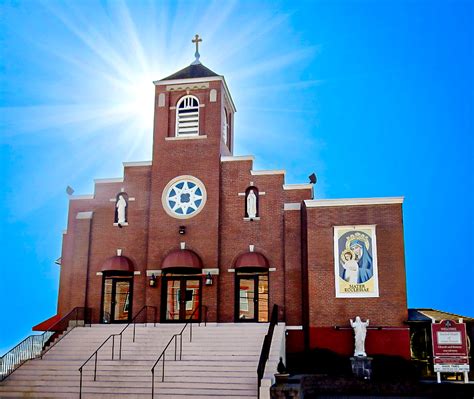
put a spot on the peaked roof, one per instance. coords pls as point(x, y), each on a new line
point(192, 71)
point(433, 314)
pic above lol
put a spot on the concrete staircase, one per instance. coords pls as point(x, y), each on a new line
point(220, 362)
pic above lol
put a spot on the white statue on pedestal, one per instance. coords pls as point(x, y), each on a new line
point(121, 205)
point(360, 332)
point(251, 205)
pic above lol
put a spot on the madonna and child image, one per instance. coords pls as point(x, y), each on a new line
point(355, 261)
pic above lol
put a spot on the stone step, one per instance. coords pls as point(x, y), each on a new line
point(137, 377)
point(88, 395)
point(159, 389)
point(134, 371)
point(220, 362)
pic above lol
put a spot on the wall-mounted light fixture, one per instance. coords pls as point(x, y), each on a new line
point(208, 279)
point(152, 281)
point(182, 230)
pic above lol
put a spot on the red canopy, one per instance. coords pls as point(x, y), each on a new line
point(47, 324)
point(251, 259)
point(182, 258)
point(118, 263)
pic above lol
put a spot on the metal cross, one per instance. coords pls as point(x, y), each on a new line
point(196, 40)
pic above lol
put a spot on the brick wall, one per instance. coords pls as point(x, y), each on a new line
point(324, 309)
point(297, 243)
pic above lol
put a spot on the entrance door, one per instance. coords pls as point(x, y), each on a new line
point(117, 300)
point(182, 298)
point(252, 297)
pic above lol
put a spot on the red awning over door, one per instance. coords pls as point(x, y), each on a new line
point(252, 259)
point(182, 258)
point(118, 263)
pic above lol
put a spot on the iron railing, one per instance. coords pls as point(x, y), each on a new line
point(65, 325)
point(36, 346)
point(141, 312)
point(267, 343)
point(175, 339)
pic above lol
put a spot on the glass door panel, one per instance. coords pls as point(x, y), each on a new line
point(183, 297)
point(192, 298)
point(121, 300)
point(247, 299)
point(262, 298)
point(117, 299)
point(107, 301)
point(173, 299)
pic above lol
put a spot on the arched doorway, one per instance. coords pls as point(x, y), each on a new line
point(117, 290)
point(181, 287)
point(251, 288)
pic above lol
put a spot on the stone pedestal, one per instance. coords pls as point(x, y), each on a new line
point(362, 367)
point(286, 387)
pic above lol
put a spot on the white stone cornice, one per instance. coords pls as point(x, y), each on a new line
point(237, 158)
point(198, 80)
point(81, 197)
point(187, 81)
point(188, 86)
point(292, 206)
point(84, 215)
point(156, 272)
point(353, 201)
point(307, 186)
point(196, 137)
point(267, 172)
point(135, 164)
point(111, 180)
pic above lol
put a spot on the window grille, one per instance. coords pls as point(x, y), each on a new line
point(187, 121)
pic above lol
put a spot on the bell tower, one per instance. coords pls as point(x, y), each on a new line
point(193, 128)
point(193, 104)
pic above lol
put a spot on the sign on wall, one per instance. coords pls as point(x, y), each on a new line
point(355, 262)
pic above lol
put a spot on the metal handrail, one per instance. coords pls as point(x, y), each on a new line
point(63, 331)
point(29, 348)
point(267, 343)
point(96, 352)
point(33, 346)
point(175, 338)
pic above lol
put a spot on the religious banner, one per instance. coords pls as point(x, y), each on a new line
point(355, 262)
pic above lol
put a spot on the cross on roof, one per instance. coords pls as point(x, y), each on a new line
point(196, 40)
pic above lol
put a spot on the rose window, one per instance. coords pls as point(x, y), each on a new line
point(184, 197)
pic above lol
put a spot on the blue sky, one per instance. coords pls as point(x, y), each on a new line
point(376, 97)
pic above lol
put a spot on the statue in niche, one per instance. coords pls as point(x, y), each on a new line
point(121, 206)
point(360, 332)
point(251, 204)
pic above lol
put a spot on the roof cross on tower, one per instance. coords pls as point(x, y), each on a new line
point(196, 40)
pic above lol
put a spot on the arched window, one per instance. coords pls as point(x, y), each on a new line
point(251, 202)
point(187, 116)
point(225, 126)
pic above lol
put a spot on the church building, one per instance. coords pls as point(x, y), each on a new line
point(197, 232)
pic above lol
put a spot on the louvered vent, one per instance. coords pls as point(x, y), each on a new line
point(187, 123)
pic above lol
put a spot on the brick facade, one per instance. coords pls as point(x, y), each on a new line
point(295, 238)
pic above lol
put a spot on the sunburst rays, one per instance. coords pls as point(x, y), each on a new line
point(97, 91)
